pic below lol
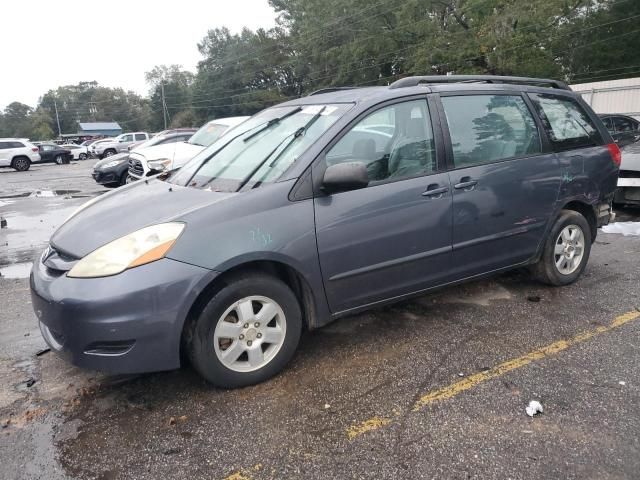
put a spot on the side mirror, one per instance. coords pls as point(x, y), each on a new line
point(345, 176)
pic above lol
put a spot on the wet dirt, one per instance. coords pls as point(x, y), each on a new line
point(31, 220)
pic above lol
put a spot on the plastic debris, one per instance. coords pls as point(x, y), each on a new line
point(39, 353)
point(3, 222)
point(533, 298)
point(533, 408)
point(622, 383)
point(327, 406)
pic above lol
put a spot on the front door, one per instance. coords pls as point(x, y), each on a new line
point(394, 236)
point(504, 185)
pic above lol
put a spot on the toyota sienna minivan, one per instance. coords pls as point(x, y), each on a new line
point(321, 207)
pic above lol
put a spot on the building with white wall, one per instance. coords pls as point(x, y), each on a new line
point(612, 96)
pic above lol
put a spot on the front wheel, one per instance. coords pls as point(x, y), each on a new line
point(59, 160)
point(247, 332)
point(82, 156)
point(566, 250)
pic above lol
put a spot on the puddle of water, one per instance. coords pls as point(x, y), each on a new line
point(52, 193)
point(17, 270)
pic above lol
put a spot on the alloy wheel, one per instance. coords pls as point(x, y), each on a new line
point(569, 249)
point(250, 333)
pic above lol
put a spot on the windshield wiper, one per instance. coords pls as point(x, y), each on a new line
point(294, 136)
point(263, 124)
point(272, 122)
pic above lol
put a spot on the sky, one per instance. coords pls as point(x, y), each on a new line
point(50, 43)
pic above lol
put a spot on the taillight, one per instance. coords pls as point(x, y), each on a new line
point(616, 154)
point(34, 149)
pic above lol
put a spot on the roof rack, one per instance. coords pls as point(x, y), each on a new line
point(330, 89)
point(538, 82)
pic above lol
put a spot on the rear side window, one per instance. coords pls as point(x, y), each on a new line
point(16, 145)
point(567, 124)
point(623, 124)
point(489, 128)
point(141, 136)
point(5, 145)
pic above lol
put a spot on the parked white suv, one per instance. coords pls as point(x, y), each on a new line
point(119, 144)
point(18, 153)
point(144, 162)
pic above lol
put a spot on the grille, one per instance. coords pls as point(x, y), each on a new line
point(135, 167)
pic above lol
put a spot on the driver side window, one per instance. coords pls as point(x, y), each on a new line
point(394, 142)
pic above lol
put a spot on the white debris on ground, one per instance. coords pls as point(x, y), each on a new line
point(622, 383)
point(533, 408)
point(625, 228)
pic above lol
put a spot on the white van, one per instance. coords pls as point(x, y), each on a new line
point(144, 162)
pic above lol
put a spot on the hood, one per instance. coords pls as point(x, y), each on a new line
point(112, 158)
point(631, 157)
point(126, 210)
point(179, 152)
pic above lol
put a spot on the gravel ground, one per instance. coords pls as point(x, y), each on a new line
point(431, 388)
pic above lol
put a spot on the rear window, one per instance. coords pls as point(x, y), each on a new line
point(566, 123)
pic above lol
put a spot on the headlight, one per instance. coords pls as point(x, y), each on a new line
point(112, 164)
point(143, 246)
point(162, 164)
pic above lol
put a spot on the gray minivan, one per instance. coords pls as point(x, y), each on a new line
point(321, 207)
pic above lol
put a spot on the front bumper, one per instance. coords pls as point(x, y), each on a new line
point(126, 323)
point(109, 175)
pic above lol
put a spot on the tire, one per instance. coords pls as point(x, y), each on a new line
point(82, 156)
point(123, 178)
point(59, 159)
point(108, 153)
point(206, 338)
point(554, 267)
point(21, 164)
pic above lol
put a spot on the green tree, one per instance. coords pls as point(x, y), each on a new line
point(41, 125)
point(16, 120)
point(177, 84)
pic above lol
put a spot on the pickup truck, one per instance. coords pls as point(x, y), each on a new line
point(119, 144)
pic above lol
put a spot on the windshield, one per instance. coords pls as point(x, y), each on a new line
point(151, 142)
point(259, 152)
point(208, 134)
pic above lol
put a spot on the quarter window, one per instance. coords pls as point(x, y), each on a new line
point(488, 128)
point(394, 142)
point(567, 125)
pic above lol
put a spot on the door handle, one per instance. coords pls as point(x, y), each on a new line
point(466, 183)
point(435, 191)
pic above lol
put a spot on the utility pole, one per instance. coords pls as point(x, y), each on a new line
point(55, 105)
point(164, 105)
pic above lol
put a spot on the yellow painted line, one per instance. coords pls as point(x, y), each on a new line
point(454, 389)
point(367, 426)
point(477, 378)
point(244, 474)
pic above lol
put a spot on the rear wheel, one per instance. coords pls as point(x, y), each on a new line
point(21, 164)
point(123, 178)
point(566, 250)
point(59, 159)
point(109, 152)
point(247, 332)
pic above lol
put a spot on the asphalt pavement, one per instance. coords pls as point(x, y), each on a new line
point(435, 387)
